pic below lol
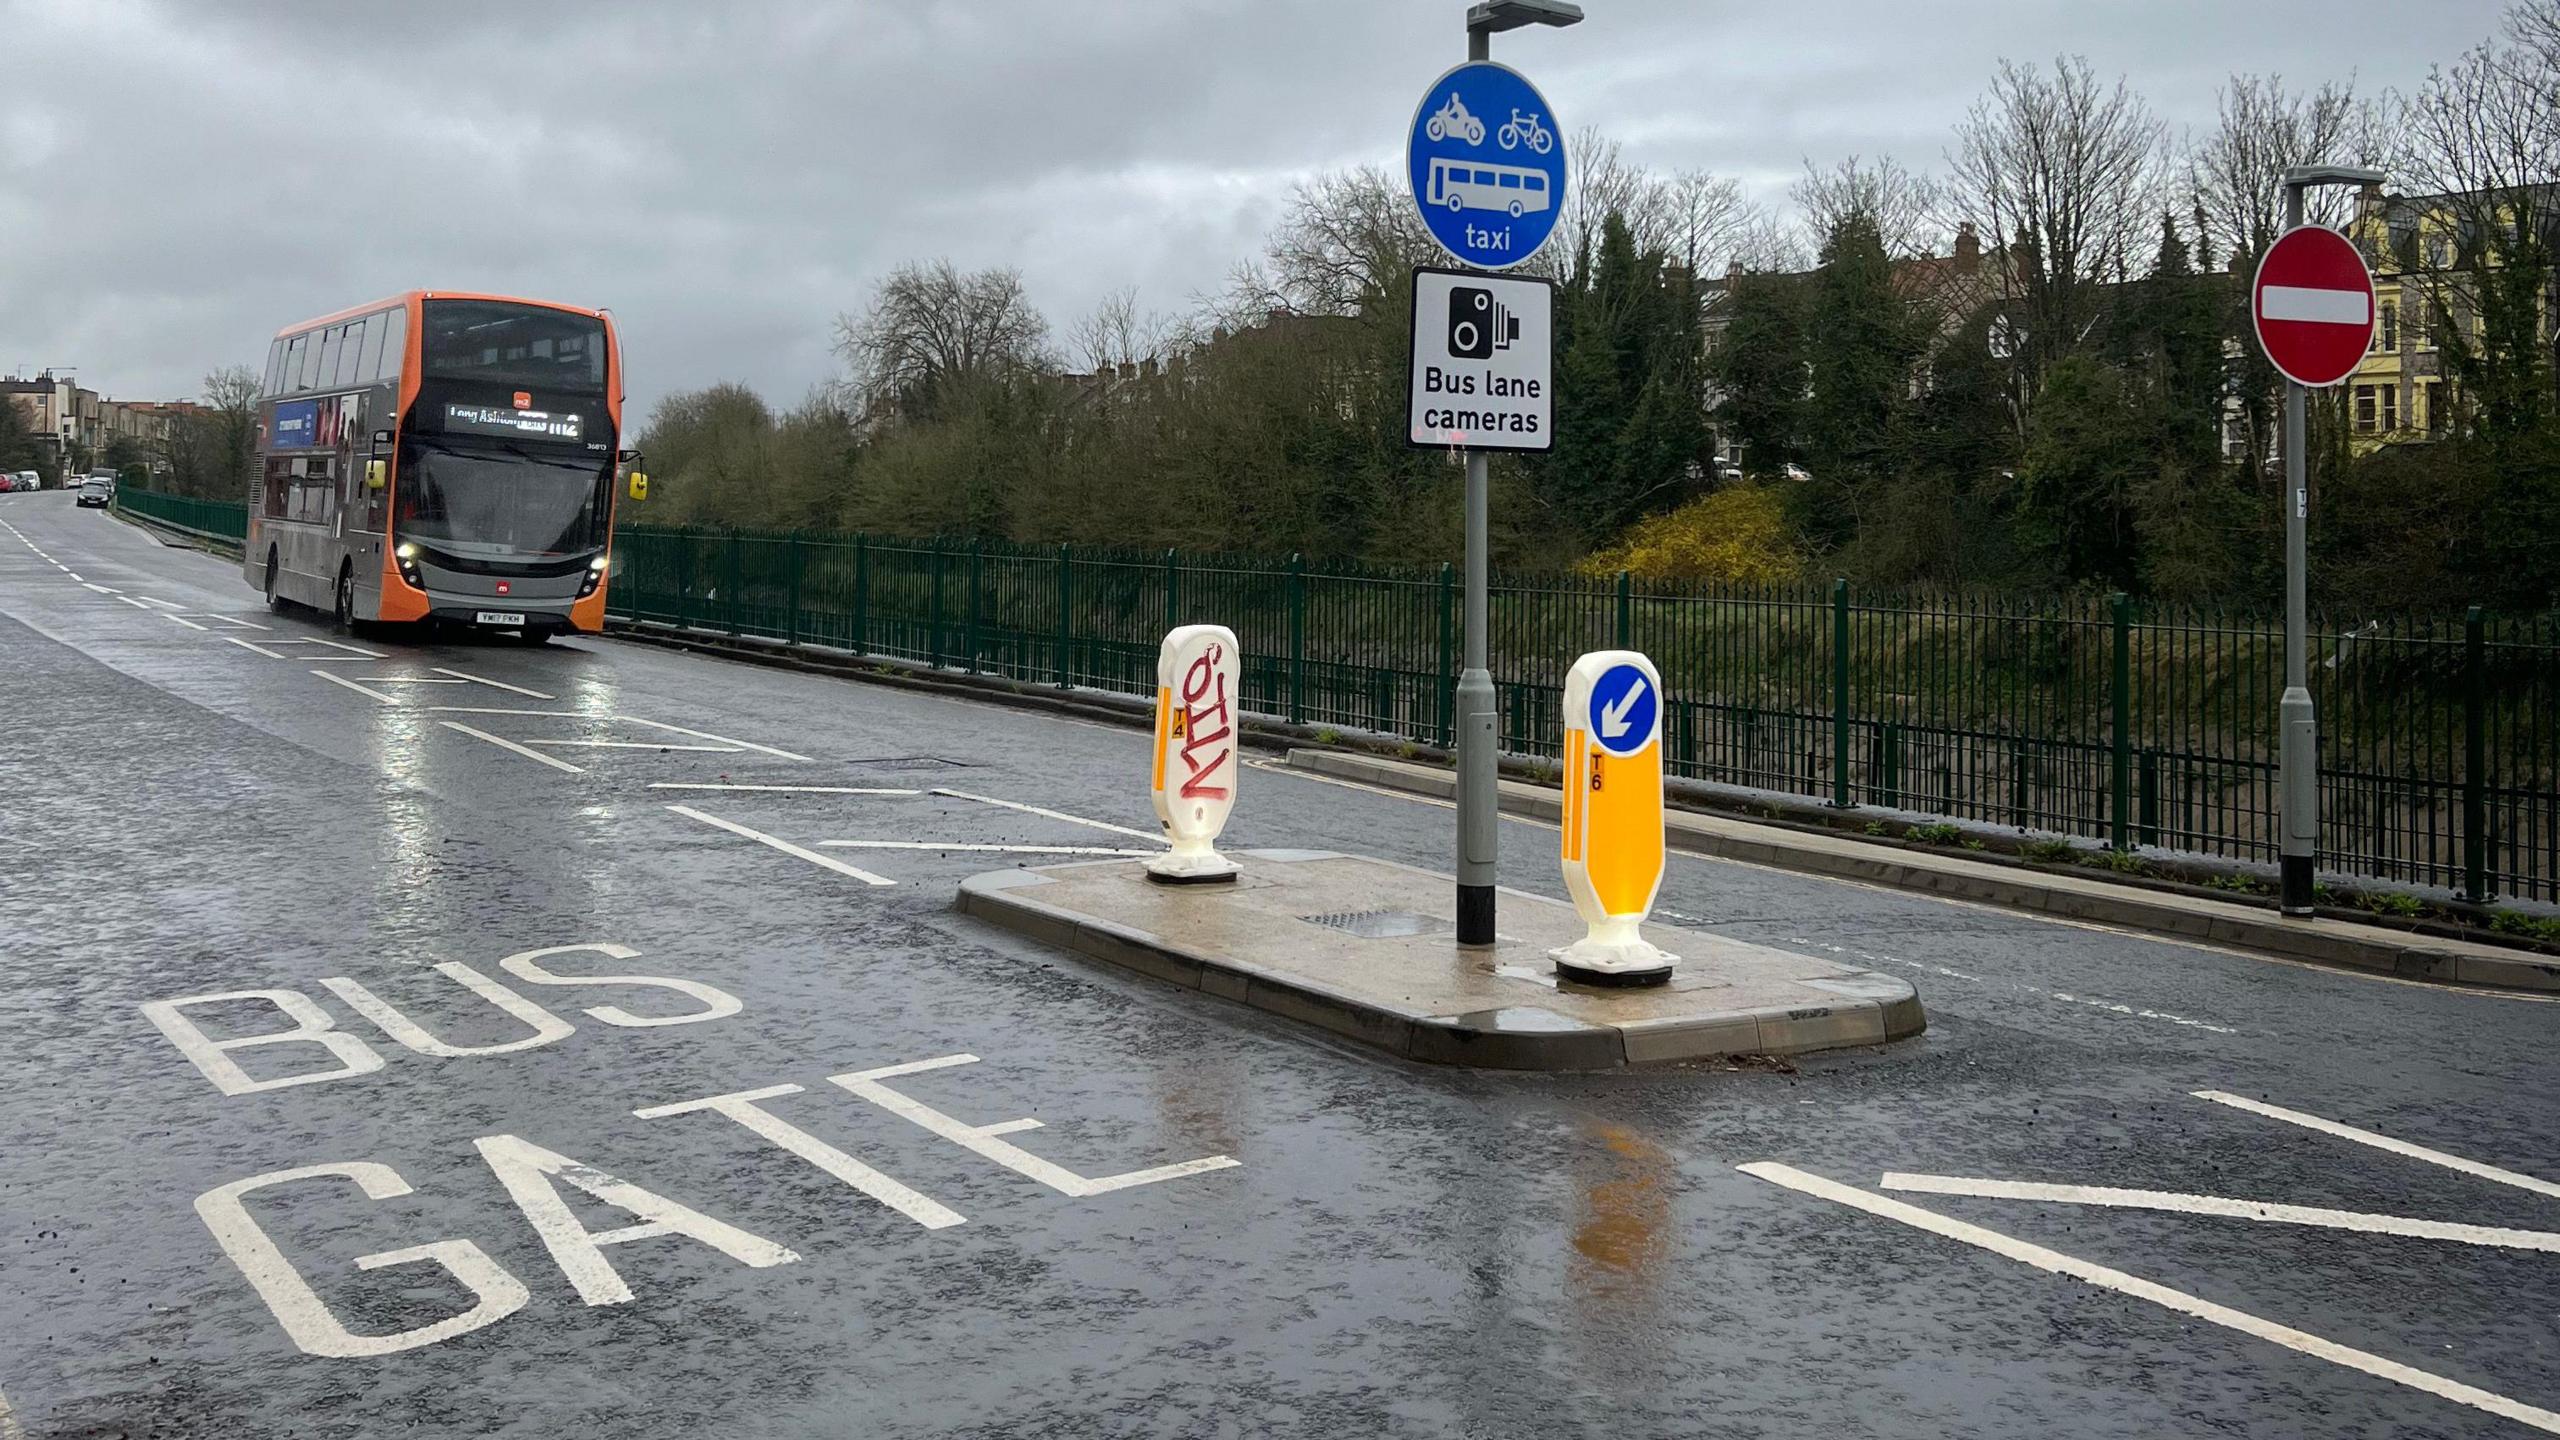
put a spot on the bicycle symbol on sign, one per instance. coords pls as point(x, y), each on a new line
point(1523, 126)
point(1453, 119)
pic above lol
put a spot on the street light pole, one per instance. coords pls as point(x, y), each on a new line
point(2298, 753)
point(1478, 716)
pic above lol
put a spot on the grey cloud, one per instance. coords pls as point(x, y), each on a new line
point(727, 177)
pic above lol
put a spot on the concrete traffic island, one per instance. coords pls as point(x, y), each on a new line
point(1367, 949)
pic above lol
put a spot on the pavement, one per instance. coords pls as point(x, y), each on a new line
point(599, 1094)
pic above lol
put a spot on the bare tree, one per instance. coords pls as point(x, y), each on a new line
point(1904, 205)
point(934, 326)
point(1707, 219)
point(1601, 182)
point(1350, 237)
point(1117, 333)
point(2263, 130)
point(2068, 175)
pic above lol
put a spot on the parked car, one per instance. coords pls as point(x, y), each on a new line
point(9, 482)
point(30, 480)
point(97, 490)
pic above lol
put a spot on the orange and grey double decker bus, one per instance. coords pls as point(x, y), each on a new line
point(441, 457)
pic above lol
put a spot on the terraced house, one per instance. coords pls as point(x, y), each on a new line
point(2443, 267)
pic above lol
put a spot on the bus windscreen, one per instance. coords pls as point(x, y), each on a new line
point(498, 342)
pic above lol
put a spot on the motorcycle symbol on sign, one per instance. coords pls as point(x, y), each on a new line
point(1453, 119)
point(1521, 127)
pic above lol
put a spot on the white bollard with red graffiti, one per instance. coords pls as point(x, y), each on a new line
point(1196, 762)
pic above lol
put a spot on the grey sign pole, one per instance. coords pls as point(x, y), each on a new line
point(1479, 714)
point(2298, 804)
point(2298, 755)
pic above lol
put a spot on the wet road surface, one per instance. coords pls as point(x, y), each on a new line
point(827, 1160)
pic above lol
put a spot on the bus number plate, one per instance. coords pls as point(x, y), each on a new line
point(501, 617)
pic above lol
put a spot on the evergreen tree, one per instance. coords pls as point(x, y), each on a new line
point(1860, 348)
point(1759, 367)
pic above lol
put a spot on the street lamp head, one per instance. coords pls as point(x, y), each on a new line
point(2332, 175)
point(1490, 17)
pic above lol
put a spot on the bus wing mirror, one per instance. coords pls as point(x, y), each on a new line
point(639, 486)
point(626, 457)
point(377, 473)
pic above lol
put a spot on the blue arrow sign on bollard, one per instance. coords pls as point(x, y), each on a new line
point(1487, 163)
point(1624, 707)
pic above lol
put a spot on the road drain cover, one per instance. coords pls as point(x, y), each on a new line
point(1378, 924)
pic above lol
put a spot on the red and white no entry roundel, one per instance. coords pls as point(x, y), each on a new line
point(2314, 306)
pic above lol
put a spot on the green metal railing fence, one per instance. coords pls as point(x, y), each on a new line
point(2136, 724)
point(226, 520)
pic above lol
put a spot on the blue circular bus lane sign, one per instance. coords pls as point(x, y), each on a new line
point(1486, 158)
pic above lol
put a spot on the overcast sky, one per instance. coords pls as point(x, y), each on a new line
point(180, 179)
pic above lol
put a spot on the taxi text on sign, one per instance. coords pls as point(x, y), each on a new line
point(1483, 362)
point(1196, 759)
point(1613, 836)
point(2312, 303)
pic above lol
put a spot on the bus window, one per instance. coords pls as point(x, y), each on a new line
point(395, 343)
point(275, 366)
point(326, 373)
point(350, 350)
point(1510, 181)
point(1535, 181)
point(369, 369)
point(296, 350)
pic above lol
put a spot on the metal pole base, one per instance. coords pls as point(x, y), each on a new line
point(1475, 915)
point(2294, 889)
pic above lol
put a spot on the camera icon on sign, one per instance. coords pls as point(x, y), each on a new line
point(1479, 324)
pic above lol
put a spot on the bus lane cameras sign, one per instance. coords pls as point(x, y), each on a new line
point(1483, 349)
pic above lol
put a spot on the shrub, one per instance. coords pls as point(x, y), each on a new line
point(1736, 536)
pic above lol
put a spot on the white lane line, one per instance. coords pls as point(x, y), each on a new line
point(2107, 1278)
point(178, 620)
point(2381, 1142)
point(136, 604)
point(233, 620)
point(101, 589)
point(9, 1420)
point(505, 744)
point(1052, 814)
point(2179, 1202)
point(164, 604)
point(495, 684)
point(261, 649)
point(707, 735)
point(2112, 1007)
point(980, 849)
point(67, 570)
point(780, 789)
point(636, 745)
point(338, 645)
point(359, 689)
point(412, 680)
point(785, 846)
point(489, 710)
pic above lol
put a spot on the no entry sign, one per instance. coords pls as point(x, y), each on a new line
point(2313, 304)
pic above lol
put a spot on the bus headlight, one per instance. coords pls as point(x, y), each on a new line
point(407, 556)
point(588, 582)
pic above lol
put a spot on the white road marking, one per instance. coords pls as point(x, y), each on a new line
point(9, 1420)
point(783, 789)
point(2182, 1203)
point(786, 847)
point(413, 680)
point(136, 604)
point(636, 745)
point(495, 684)
point(101, 589)
point(493, 710)
point(742, 1107)
point(179, 620)
point(2108, 1278)
point(1051, 814)
point(707, 735)
point(981, 1139)
point(337, 645)
point(163, 604)
point(261, 649)
point(985, 849)
point(503, 744)
point(2110, 1006)
point(233, 620)
point(2381, 1142)
point(67, 570)
point(359, 689)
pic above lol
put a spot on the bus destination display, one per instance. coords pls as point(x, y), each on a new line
point(504, 423)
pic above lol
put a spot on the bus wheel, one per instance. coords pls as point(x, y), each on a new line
point(342, 605)
point(275, 602)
